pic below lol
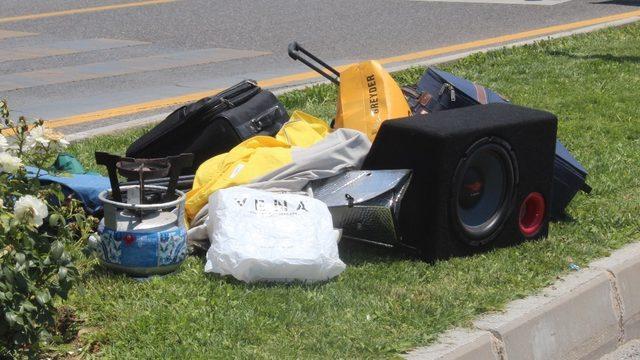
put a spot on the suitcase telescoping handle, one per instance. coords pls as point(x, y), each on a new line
point(294, 52)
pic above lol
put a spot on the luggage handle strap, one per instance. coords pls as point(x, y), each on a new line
point(264, 120)
point(294, 52)
point(228, 102)
point(235, 95)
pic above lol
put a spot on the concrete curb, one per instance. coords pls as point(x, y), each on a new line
point(584, 315)
point(391, 68)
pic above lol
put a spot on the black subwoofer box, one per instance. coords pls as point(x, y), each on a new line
point(481, 176)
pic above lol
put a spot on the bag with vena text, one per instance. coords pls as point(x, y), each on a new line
point(257, 235)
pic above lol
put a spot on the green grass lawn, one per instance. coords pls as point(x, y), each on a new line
point(386, 303)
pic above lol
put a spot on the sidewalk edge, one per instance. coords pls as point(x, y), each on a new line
point(583, 315)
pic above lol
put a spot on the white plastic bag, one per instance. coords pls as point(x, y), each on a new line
point(262, 236)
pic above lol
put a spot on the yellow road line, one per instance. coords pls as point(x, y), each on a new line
point(178, 100)
point(6, 34)
point(82, 11)
point(172, 101)
point(511, 37)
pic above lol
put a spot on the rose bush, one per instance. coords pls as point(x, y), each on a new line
point(37, 226)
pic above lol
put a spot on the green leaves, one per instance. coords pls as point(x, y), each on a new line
point(20, 258)
point(56, 220)
point(5, 222)
point(27, 306)
point(8, 277)
point(62, 274)
point(57, 249)
point(43, 297)
point(11, 317)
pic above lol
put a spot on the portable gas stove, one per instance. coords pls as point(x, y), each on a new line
point(143, 231)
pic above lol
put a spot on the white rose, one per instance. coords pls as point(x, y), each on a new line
point(36, 136)
point(9, 163)
point(4, 144)
point(43, 136)
point(30, 209)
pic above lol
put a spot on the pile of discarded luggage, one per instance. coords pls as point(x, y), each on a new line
point(442, 168)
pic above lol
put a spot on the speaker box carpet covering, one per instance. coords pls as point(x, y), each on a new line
point(437, 145)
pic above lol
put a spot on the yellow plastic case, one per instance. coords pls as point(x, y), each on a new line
point(368, 95)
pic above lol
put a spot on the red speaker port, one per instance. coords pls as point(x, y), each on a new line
point(532, 213)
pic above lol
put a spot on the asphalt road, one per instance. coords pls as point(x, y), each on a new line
point(56, 62)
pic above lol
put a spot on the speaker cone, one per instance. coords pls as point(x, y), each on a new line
point(484, 187)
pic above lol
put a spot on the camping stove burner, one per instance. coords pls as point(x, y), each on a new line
point(143, 169)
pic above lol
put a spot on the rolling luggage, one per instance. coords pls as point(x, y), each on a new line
point(439, 90)
point(368, 95)
point(213, 125)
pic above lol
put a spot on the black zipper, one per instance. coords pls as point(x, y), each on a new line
point(455, 96)
point(235, 90)
point(227, 103)
point(448, 87)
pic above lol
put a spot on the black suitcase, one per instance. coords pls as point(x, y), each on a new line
point(213, 125)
